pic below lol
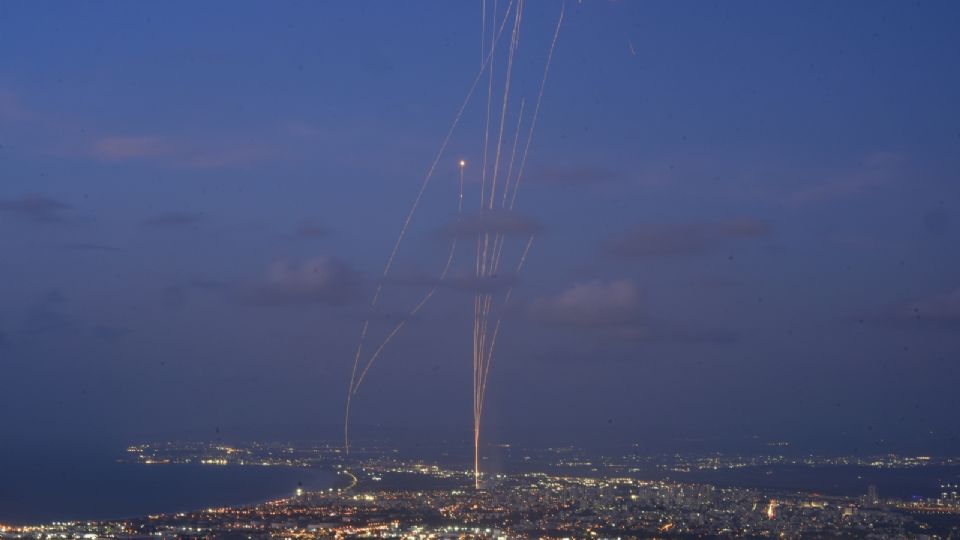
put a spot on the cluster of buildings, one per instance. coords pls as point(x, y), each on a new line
point(392, 498)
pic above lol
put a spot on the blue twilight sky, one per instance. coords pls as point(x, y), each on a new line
point(746, 217)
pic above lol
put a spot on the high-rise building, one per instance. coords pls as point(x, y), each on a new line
point(949, 493)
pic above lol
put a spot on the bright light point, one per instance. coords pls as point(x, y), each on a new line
point(463, 163)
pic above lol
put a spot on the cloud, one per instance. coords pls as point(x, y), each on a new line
point(52, 134)
point(678, 239)
point(462, 282)
point(178, 292)
point(575, 176)
point(206, 153)
point(45, 316)
point(591, 304)
point(35, 208)
point(874, 171)
point(41, 321)
point(11, 107)
point(613, 309)
point(174, 219)
point(321, 280)
point(942, 309)
point(494, 222)
point(841, 187)
point(312, 230)
point(131, 147)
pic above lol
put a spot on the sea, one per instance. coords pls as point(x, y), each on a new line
point(36, 491)
point(64, 485)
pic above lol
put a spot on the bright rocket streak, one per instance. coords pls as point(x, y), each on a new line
point(483, 352)
point(536, 110)
point(514, 39)
point(483, 261)
point(376, 296)
point(483, 30)
point(433, 166)
point(496, 328)
point(498, 249)
point(426, 298)
point(513, 155)
point(491, 262)
point(482, 302)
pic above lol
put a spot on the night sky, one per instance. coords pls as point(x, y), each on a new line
point(746, 219)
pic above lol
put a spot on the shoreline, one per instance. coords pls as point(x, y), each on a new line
point(160, 491)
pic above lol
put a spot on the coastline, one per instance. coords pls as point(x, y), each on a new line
point(38, 494)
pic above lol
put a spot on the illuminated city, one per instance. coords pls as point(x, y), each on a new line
point(380, 495)
point(479, 269)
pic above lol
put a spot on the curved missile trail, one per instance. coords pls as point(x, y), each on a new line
point(488, 263)
point(536, 109)
point(353, 386)
point(514, 38)
point(500, 180)
point(483, 30)
point(496, 329)
point(426, 297)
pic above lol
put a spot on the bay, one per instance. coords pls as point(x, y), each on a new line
point(42, 491)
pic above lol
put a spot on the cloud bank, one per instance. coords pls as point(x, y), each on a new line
point(683, 239)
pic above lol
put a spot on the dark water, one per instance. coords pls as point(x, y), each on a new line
point(40, 491)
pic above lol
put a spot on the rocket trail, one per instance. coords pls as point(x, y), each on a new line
point(489, 258)
point(496, 328)
point(500, 180)
point(433, 168)
point(426, 297)
point(514, 38)
point(352, 388)
point(536, 109)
